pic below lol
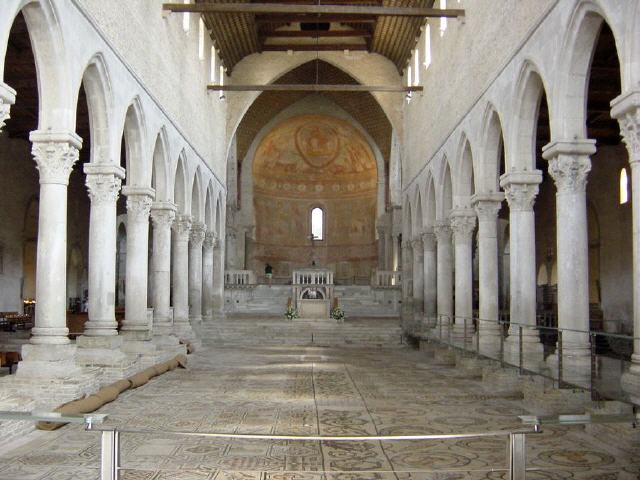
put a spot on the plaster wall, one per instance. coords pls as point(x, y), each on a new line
point(465, 61)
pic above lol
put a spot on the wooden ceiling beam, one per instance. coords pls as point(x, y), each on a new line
point(296, 9)
point(312, 87)
point(315, 33)
point(277, 19)
point(313, 47)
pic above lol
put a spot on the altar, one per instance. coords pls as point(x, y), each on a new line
point(313, 292)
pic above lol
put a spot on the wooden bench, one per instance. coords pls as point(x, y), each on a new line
point(9, 359)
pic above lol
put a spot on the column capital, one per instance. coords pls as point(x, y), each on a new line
point(55, 154)
point(139, 200)
point(463, 222)
point(7, 98)
point(197, 234)
point(626, 109)
point(163, 214)
point(569, 163)
point(442, 231)
point(182, 227)
point(416, 243)
point(103, 183)
point(428, 241)
point(487, 205)
point(521, 189)
point(209, 240)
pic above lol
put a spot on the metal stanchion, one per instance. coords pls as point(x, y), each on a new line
point(594, 359)
point(520, 348)
point(501, 345)
point(110, 458)
point(517, 456)
point(560, 358)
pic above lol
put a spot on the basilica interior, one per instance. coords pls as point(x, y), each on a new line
point(324, 240)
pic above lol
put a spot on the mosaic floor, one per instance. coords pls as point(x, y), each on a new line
point(315, 390)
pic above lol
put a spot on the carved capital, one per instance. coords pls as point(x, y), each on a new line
point(463, 222)
point(103, 188)
point(569, 164)
point(197, 235)
point(7, 98)
point(209, 240)
point(55, 154)
point(429, 241)
point(626, 109)
point(182, 227)
point(162, 218)
point(139, 207)
point(487, 210)
point(442, 231)
point(416, 244)
point(521, 196)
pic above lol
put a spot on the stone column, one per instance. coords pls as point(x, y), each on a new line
point(207, 276)
point(463, 222)
point(49, 353)
point(395, 253)
point(136, 326)
point(418, 278)
point(103, 182)
point(487, 207)
point(162, 216)
point(181, 229)
point(521, 188)
point(569, 165)
point(230, 250)
point(626, 109)
point(218, 279)
point(430, 277)
point(388, 250)
point(407, 283)
point(444, 269)
point(195, 271)
point(7, 98)
point(381, 248)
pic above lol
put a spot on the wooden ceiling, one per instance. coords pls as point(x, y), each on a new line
point(237, 35)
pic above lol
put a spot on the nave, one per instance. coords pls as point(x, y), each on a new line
point(329, 391)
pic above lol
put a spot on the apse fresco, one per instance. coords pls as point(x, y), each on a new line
point(315, 161)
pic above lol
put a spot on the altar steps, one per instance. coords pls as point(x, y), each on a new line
point(277, 331)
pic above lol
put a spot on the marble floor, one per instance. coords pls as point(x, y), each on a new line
point(311, 390)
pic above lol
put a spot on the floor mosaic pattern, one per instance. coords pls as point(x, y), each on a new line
point(311, 390)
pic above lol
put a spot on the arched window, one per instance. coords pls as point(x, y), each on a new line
point(624, 186)
point(427, 46)
point(317, 223)
point(443, 20)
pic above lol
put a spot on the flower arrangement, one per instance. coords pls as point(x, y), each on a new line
point(337, 314)
point(291, 313)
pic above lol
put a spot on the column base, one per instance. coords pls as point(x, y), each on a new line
point(48, 361)
point(502, 382)
point(489, 341)
point(532, 352)
point(576, 367)
point(543, 397)
point(183, 330)
point(107, 354)
point(630, 383)
point(137, 332)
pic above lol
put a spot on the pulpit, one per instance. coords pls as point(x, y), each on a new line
point(313, 292)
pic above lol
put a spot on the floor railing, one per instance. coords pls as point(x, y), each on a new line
point(597, 366)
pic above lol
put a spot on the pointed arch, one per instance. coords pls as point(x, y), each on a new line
point(97, 87)
point(56, 108)
point(134, 136)
point(463, 186)
point(196, 197)
point(574, 65)
point(530, 89)
point(408, 219)
point(209, 208)
point(445, 203)
point(219, 215)
point(159, 178)
point(419, 219)
point(180, 186)
point(492, 145)
point(430, 205)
